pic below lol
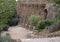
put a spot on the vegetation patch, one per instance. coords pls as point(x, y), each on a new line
point(8, 14)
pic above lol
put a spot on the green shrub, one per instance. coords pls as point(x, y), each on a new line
point(4, 27)
point(38, 23)
point(13, 22)
point(33, 20)
point(48, 22)
point(43, 24)
point(40, 26)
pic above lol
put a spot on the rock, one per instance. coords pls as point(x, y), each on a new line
point(54, 28)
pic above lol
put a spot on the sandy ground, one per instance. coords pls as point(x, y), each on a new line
point(17, 32)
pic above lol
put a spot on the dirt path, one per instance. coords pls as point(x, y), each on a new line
point(17, 32)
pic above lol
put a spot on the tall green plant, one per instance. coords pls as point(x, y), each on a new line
point(7, 10)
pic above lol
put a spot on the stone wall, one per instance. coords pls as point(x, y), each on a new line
point(42, 8)
point(26, 10)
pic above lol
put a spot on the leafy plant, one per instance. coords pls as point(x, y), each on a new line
point(43, 24)
point(40, 26)
point(5, 28)
point(13, 22)
point(7, 10)
point(48, 22)
point(33, 20)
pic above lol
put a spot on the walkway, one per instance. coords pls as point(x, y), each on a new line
point(18, 32)
point(54, 39)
